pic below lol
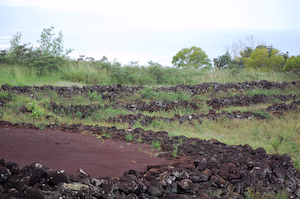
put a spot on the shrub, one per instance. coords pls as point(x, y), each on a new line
point(48, 56)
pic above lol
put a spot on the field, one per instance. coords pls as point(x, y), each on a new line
point(252, 111)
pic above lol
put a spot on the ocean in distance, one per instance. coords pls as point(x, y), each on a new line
point(160, 46)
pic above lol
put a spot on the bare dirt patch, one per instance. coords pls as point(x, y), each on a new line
point(67, 151)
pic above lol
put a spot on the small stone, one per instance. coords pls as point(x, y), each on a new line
point(129, 186)
point(33, 193)
point(13, 167)
point(156, 189)
point(297, 192)
point(132, 196)
point(5, 174)
point(75, 186)
point(54, 178)
point(205, 175)
point(172, 188)
point(280, 173)
point(23, 183)
point(224, 169)
point(81, 174)
point(36, 176)
point(2, 162)
point(185, 185)
point(11, 183)
point(202, 194)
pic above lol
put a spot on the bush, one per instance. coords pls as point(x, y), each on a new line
point(48, 56)
point(292, 63)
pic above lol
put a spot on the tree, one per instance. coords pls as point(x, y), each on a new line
point(292, 63)
point(48, 56)
point(16, 51)
point(222, 61)
point(50, 46)
point(246, 52)
point(193, 57)
point(265, 58)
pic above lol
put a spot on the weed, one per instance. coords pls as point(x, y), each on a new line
point(139, 139)
point(297, 162)
point(261, 114)
point(79, 114)
point(147, 93)
point(36, 111)
point(252, 194)
point(155, 145)
point(175, 151)
point(32, 106)
point(94, 96)
point(6, 95)
point(129, 137)
point(104, 135)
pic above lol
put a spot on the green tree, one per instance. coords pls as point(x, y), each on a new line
point(50, 46)
point(292, 63)
point(246, 52)
point(193, 57)
point(222, 61)
point(48, 56)
point(16, 51)
point(225, 61)
point(264, 58)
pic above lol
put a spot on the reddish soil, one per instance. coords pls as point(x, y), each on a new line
point(70, 151)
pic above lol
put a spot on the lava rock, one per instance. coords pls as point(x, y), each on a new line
point(54, 178)
point(34, 193)
point(13, 167)
point(5, 174)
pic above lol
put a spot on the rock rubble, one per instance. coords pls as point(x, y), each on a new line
point(113, 90)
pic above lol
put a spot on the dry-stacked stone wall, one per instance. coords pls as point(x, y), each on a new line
point(227, 87)
point(106, 92)
point(113, 90)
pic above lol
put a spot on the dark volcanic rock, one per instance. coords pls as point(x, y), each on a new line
point(13, 167)
point(5, 174)
point(34, 193)
point(54, 178)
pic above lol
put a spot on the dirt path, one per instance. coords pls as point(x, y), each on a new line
point(70, 151)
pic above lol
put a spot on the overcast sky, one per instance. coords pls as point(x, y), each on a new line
point(186, 14)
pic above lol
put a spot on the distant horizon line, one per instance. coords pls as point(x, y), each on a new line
point(156, 29)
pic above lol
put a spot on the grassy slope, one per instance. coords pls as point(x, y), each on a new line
point(276, 134)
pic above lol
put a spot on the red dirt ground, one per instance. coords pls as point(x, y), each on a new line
point(59, 150)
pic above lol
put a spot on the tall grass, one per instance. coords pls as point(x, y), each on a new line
point(94, 73)
point(16, 75)
point(84, 73)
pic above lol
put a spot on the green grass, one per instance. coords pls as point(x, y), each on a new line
point(15, 75)
point(148, 93)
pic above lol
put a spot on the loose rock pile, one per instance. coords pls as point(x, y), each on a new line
point(228, 87)
point(242, 100)
point(201, 169)
point(145, 120)
point(74, 110)
point(111, 91)
point(107, 92)
point(155, 106)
